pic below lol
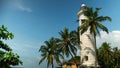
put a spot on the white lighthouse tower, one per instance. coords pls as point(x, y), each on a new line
point(88, 52)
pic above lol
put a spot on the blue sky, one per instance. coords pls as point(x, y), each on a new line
point(34, 21)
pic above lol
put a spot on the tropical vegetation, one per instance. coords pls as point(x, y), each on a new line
point(67, 42)
point(108, 57)
point(7, 57)
point(49, 52)
point(59, 47)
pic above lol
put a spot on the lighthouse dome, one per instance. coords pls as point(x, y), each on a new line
point(83, 5)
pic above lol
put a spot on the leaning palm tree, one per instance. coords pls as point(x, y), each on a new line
point(67, 42)
point(76, 37)
point(49, 52)
point(94, 23)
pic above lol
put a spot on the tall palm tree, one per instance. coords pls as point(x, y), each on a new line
point(94, 23)
point(67, 43)
point(49, 52)
point(105, 54)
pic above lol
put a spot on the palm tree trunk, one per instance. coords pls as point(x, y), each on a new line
point(52, 65)
point(95, 51)
point(71, 54)
point(47, 66)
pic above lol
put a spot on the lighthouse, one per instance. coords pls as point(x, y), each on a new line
point(87, 52)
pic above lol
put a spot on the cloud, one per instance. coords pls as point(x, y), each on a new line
point(113, 38)
point(23, 8)
point(19, 4)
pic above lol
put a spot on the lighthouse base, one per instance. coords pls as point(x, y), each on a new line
point(84, 66)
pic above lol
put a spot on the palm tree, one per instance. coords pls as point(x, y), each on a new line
point(76, 37)
point(116, 56)
point(67, 42)
point(93, 23)
point(49, 52)
point(110, 56)
point(105, 54)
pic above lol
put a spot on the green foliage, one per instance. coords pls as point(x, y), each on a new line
point(55, 48)
point(94, 22)
point(50, 52)
point(7, 58)
point(110, 56)
point(4, 46)
point(5, 34)
point(11, 58)
point(68, 42)
point(75, 59)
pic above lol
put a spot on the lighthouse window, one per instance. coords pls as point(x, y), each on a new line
point(82, 21)
point(86, 58)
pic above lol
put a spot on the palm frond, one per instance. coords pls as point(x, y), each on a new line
point(102, 27)
point(89, 12)
point(42, 59)
point(83, 29)
point(94, 30)
point(96, 12)
point(103, 18)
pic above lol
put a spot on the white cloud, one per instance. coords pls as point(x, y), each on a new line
point(113, 38)
point(19, 4)
point(23, 8)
